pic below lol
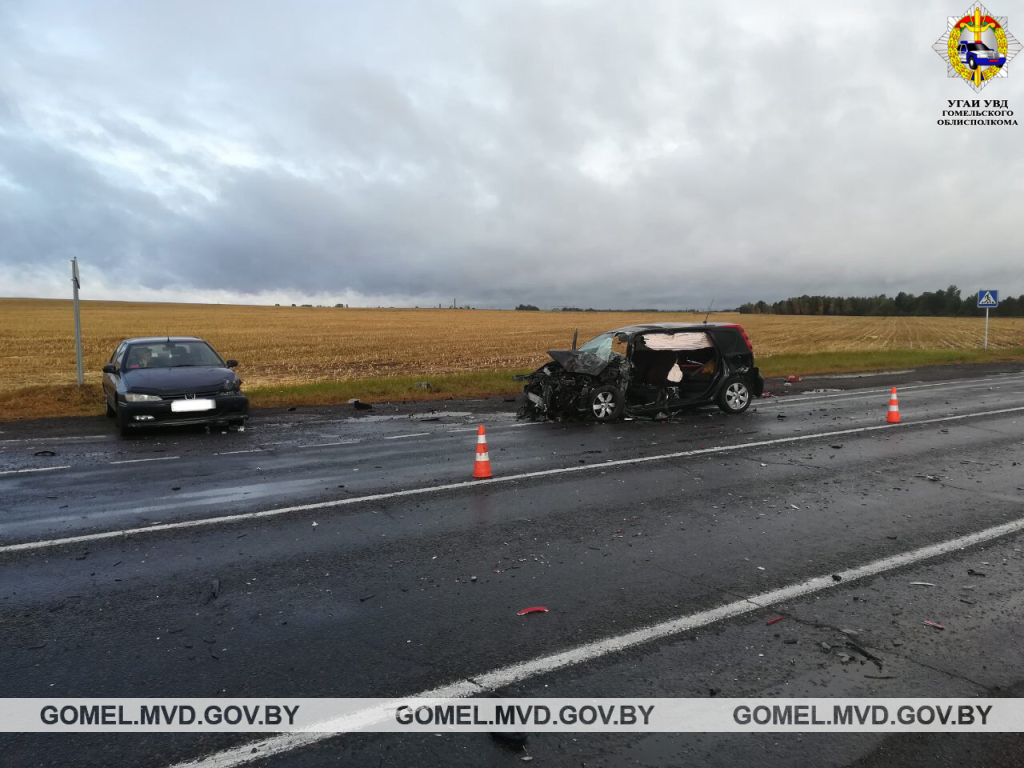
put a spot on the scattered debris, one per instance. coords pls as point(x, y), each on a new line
point(836, 577)
point(826, 647)
point(930, 623)
point(364, 599)
point(776, 620)
point(359, 405)
point(793, 379)
point(921, 584)
point(837, 446)
point(865, 653)
point(423, 385)
point(781, 416)
point(881, 677)
point(45, 453)
point(972, 572)
point(315, 523)
point(534, 609)
point(472, 578)
point(214, 591)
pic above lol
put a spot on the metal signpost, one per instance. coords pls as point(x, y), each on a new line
point(78, 323)
point(987, 300)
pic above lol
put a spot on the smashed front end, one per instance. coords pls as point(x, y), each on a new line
point(561, 388)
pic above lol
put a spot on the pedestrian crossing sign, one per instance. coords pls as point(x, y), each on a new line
point(988, 299)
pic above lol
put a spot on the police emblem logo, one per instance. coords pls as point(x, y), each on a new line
point(977, 46)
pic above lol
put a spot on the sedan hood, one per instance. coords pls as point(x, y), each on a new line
point(157, 381)
point(574, 361)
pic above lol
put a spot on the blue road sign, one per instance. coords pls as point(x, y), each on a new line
point(988, 299)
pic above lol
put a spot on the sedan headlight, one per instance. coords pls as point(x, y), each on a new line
point(133, 397)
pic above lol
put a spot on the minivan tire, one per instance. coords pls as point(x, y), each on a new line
point(606, 403)
point(735, 396)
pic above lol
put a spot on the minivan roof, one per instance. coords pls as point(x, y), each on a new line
point(655, 327)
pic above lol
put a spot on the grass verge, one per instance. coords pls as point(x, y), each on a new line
point(68, 400)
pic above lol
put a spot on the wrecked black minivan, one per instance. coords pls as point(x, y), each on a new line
point(646, 370)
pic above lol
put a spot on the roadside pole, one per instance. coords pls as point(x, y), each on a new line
point(78, 324)
point(987, 299)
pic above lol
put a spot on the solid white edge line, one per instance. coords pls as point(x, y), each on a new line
point(496, 679)
point(35, 469)
point(202, 522)
point(137, 461)
point(399, 437)
point(853, 394)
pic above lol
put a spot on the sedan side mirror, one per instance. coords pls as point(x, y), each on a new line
point(110, 368)
point(232, 363)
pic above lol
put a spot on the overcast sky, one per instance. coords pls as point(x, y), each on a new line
point(604, 154)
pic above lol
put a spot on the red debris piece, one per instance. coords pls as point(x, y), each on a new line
point(793, 379)
point(775, 620)
point(534, 609)
point(930, 623)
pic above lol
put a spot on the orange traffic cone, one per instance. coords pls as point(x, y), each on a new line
point(894, 408)
point(482, 467)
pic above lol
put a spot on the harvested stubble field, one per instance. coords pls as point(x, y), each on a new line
point(320, 355)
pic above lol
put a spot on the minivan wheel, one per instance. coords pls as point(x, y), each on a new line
point(735, 397)
point(606, 403)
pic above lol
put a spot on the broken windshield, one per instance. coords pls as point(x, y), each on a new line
point(605, 345)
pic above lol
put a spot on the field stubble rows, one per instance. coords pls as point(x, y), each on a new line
point(296, 345)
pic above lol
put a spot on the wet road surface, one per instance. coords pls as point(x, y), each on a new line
point(345, 549)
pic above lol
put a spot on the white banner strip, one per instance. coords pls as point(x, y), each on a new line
point(412, 715)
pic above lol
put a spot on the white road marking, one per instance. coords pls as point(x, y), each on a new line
point(232, 453)
point(496, 679)
point(202, 522)
point(854, 394)
point(324, 445)
point(137, 461)
point(35, 469)
point(51, 439)
point(399, 437)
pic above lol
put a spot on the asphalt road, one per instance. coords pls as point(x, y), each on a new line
point(345, 550)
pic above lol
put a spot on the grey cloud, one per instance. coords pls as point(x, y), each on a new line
point(605, 154)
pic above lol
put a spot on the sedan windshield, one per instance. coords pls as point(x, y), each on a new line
point(976, 47)
point(174, 354)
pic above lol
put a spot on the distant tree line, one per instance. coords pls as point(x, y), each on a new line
point(947, 303)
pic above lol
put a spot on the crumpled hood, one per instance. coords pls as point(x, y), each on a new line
point(574, 361)
point(172, 380)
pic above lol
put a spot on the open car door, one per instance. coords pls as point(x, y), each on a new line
point(673, 368)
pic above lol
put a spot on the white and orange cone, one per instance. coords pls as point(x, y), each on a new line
point(893, 416)
point(482, 467)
